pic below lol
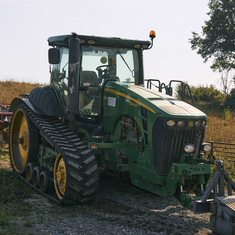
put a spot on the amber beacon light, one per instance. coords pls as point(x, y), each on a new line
point(152, 34)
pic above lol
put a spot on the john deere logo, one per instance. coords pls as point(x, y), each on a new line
point(190, 124)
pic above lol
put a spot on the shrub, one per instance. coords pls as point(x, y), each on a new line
point(202, 93)
point(230, 100)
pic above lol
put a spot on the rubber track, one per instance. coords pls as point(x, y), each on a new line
point(81, 166)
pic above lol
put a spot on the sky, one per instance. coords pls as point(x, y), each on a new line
point(25, 26)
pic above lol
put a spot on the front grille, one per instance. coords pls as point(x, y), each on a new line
point(168, 143)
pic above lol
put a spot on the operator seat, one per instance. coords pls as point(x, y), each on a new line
point(90, 82)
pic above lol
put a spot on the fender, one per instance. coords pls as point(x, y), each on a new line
point(42, 100)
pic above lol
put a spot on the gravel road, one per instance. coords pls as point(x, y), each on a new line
point(119, 208)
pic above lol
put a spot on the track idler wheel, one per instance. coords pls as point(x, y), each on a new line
point(60, 177)
point(46, 181)
point(24, 140)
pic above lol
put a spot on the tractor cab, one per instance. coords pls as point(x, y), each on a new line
point(82, 65)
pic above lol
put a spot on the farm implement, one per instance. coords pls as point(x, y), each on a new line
point(5, 118)
point(95, 113)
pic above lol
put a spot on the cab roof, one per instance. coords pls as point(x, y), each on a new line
point(99, 41)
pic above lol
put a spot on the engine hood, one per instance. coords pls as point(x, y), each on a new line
point(154, 101)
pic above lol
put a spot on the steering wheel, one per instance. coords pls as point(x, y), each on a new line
point(101, 66)
point(102, 71)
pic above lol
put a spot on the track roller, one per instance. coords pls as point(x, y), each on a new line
point(36, 175)
point(46, 181)
point(29, 170)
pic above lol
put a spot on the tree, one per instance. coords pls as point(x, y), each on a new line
point(225, 81)
point(218, 36)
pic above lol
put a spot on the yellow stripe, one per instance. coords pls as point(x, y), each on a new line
point(129, 98)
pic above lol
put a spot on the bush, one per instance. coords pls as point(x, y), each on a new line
point(202, 93)
point(230, 100)
point(210, 100)
point(214, 108)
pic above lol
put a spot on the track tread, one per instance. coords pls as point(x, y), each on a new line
point(81, 165)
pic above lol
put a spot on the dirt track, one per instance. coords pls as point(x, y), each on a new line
point(119, 208)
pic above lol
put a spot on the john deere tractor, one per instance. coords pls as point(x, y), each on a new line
point(96, 113)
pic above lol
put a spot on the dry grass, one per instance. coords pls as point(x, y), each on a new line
point(221, 130)
point(11, 89)
point(218, 128)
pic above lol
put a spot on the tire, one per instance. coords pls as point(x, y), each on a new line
point(76, 179)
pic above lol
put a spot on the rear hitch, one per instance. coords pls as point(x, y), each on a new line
point(221, 206)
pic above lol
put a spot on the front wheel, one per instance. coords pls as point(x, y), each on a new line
point(60, 176)
point(75, 175)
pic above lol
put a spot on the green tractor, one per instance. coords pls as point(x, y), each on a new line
point(96, 113)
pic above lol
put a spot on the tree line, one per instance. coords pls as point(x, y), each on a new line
point(208, 99)
point(217, 43)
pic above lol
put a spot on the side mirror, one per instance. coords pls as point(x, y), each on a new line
point(54, 55)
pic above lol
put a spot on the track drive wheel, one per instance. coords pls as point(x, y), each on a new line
point(60, 177)
point(75, 175)
point(23, 144)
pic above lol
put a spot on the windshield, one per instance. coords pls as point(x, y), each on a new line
point(120, 64)
point(98, 64)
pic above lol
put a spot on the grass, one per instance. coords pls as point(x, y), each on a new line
point(13, 191)
point(28, 223)
point(4, 151)
point(220, 129)
point(12, 194)
point(14, 211)
point(11, 89)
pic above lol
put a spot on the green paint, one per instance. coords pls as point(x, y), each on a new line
point(134, 122)
point(46, 157)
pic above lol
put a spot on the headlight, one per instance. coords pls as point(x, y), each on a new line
point(203, 123)
point(198, 123)
point(180, 123)
point(170, 123)
point(207, 148)
point(189, 148)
